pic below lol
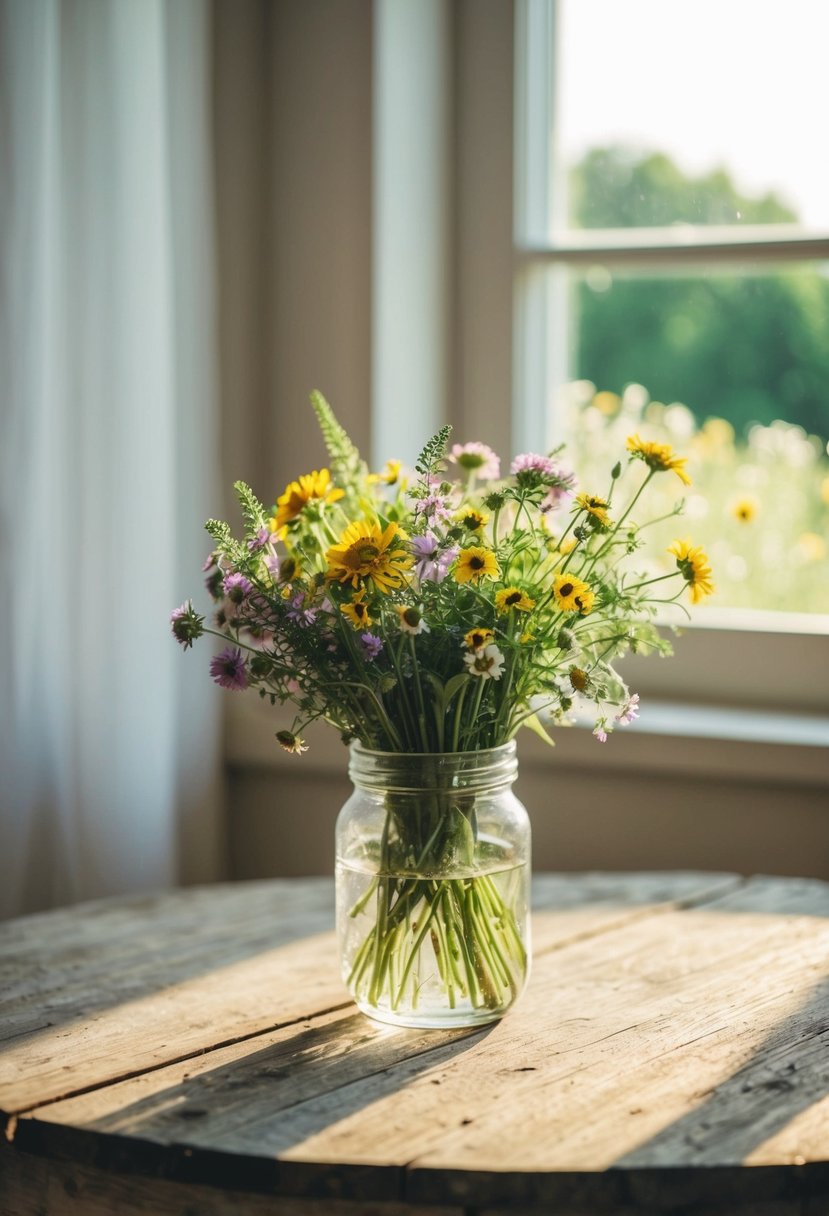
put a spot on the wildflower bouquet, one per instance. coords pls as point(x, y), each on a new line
point(439, 614)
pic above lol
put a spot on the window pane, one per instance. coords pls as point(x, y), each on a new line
point(711, 365)
point(703, 113)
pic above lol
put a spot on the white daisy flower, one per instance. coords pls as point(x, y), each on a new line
point(411, 621)
point(487, 663)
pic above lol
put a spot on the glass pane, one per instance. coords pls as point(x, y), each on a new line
point(703, 113)
point(711, 365)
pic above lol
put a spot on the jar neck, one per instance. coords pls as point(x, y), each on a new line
point(418, 772)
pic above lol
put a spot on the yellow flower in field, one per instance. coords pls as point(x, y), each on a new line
point(607, 403)
point(298, 494)
point(474, 564)
point(357, 611)
point(390, 473)
point(597, 507)
point(745, 509)
point(573, 594)
point(659, 457)
point(364, 552)
point(477, 639)
point(811, 547)
point(471, 519)
point(513, 597)
point(694, 567)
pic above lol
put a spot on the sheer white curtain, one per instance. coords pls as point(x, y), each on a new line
point(108, 739)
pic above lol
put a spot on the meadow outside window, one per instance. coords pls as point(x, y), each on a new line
point(672, 277)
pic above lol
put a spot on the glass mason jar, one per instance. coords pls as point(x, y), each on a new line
point(433, 881)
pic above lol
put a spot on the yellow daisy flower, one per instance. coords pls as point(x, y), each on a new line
point(693, 565)
point(659, 457)
point(357, 611)
point(477, 639)
point(597, 507)
point(364, 552)
point(390, 473)
point(573, 594)
point(298, 494)
point(513, 597)
point(474, 564)
point(745, 509)
point(471, 519)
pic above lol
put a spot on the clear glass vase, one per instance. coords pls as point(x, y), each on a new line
point(433, 879)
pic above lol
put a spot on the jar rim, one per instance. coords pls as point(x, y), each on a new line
point(500, 749)
point(475, 769)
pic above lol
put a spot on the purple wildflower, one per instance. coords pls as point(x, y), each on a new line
point(533, 462)
point(630, 710)
point(263, 537)
point(557, 494)
point(299, 613)
point(435, 508)
point(599, 730)
point(228, 669)
point(478, 459)
point(371, 646)
point(431, 563)
point(237, 587)
point(186, 624)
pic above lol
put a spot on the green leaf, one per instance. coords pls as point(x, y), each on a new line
point(431, 460)
point(534, 724)
point(253, 512)
point(454, 686)
point(346, 464)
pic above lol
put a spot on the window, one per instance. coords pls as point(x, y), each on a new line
point(672, 232)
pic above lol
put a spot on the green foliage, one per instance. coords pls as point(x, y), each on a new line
point(750, 348)
point(432, 460)
point(226, 544)
point(253, 511)
point(346, 463)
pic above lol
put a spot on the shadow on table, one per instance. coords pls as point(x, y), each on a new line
point(785, 1076)
point(59, 969)
point(283, 1094)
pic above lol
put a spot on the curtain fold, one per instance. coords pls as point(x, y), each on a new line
point(109, 748)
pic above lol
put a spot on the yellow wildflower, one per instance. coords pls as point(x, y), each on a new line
point(659, 457)
point(366, 552)
point(573, 594)
point(298, 494)
point(597, 507)
point(477, 639)
point(474, 564)
point(513, 597)
point(357, 611)
point(471, 519)
point(745, 509)
point(694, 567)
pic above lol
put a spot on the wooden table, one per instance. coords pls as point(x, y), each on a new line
point(194, 1053)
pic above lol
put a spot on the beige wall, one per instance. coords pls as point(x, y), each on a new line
point(295, 187)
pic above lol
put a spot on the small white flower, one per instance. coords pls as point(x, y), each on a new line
point(487, 663)
point(411, 621)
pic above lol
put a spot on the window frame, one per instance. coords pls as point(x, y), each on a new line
point(767, 659)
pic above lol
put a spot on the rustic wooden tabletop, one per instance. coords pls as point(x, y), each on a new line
point(195, 1053)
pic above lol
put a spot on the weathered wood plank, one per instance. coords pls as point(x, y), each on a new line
point(652, 1056)
point(185, 972)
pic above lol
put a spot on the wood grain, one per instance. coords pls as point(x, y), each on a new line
point(670, 1054)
